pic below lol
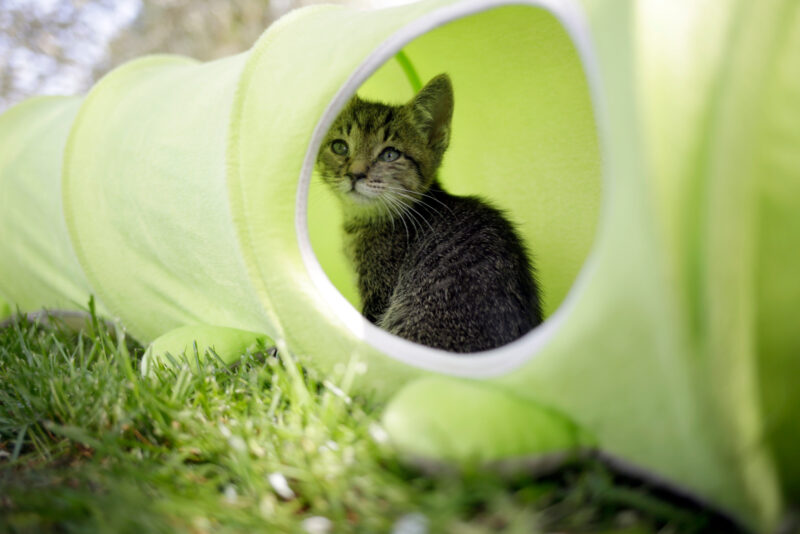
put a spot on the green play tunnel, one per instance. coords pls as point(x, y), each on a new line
point(647, 151)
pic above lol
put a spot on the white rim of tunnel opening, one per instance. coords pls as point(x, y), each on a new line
point(477, 364)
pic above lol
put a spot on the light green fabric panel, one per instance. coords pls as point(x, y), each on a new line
point(719, 152)
point(193, 344)
point(147, 154)
point(730, 240)
point(776, 201)
point(5, 309)
point(659, 355)
point(620, 363)
point(38, 268)
point(510, 427)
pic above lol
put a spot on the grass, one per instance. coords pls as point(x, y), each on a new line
point(267, 445)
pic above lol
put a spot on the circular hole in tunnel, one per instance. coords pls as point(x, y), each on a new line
point(523, 136)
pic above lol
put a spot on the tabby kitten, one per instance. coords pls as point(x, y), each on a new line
point(445, 271)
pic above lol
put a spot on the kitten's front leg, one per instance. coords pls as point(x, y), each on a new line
point(373, 311)
point(375, 296)
point(376, 254)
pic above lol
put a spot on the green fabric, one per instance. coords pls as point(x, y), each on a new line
point(193, 344)
point(676, 351)
point(463, 421)
point(5, 309)
point(775, 184)
point(159, 227)
point(38, 268)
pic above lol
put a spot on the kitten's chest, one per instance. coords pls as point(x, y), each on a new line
point(376, 251)
point(377, 256)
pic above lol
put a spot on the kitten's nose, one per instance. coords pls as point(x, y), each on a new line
point(357, 171)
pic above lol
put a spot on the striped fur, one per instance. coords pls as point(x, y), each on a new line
point(445, 271)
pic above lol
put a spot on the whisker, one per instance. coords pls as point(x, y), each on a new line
point(412, 214)
point(396, 209)
point(388, 208)
point(401, 213)
point(410, 206)
point(421, 216)
point(428, 195)
point(421, 200)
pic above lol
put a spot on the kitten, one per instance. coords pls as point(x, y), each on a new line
point(445, 271)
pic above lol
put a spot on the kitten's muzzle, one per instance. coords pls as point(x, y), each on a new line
point(356, 177)
point(357, 170)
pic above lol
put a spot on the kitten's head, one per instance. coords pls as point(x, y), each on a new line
point(376, 155)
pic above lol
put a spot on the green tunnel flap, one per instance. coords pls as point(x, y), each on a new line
point(194, 344)
point(466, 421)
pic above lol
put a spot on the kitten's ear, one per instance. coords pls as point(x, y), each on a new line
point(433, 110)
point(352, 103)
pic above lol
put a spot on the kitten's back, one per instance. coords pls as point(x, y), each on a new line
point(466, 284)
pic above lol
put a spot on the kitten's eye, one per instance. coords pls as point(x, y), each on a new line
point(339, 147)
point(389, 154)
